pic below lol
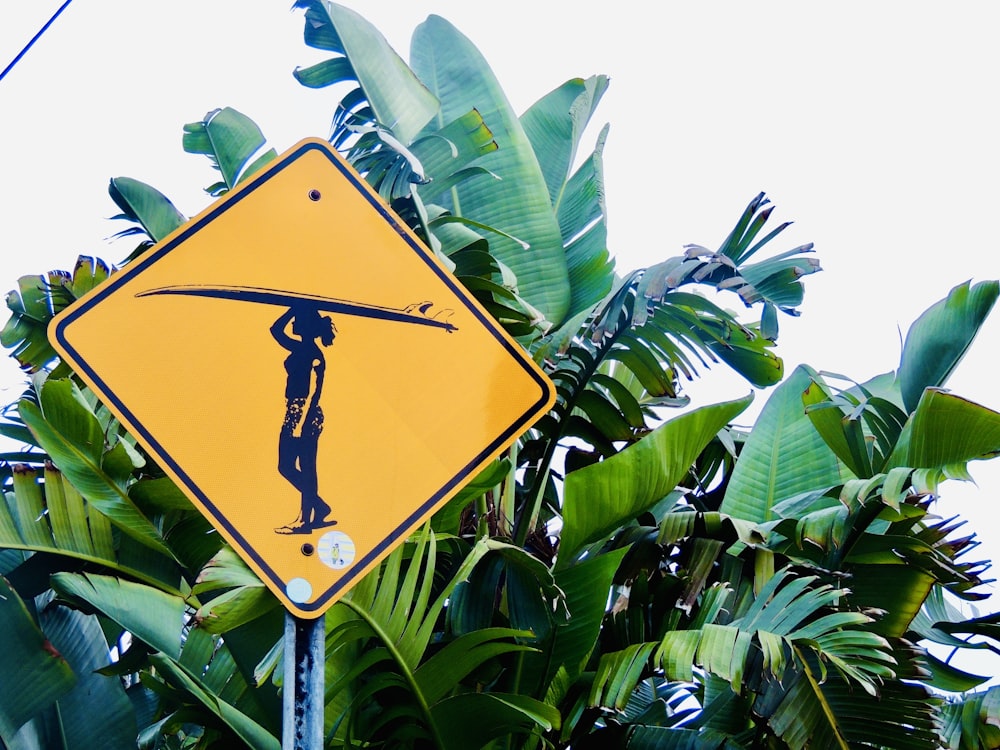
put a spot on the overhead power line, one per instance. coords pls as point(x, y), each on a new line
point(34, 39)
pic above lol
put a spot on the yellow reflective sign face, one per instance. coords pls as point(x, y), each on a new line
point(308, 373)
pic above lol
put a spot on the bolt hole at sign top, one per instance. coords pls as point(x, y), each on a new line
point(314, 195)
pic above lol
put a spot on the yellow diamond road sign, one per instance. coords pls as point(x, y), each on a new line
point(307, 372)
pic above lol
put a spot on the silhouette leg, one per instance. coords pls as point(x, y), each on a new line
point(288, 460)
point(315, 511)
point(290, 467)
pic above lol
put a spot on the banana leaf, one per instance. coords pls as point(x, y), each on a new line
point(35, 673)
point(45, 514)
point(456, 73)
point(230, 140)
point(69, 431)
point(600, 498)
point(69, 724)
point(783, 456)
point(940, 337)
point(145, 205)
point(397, 99)
point(152, 616)
point(945, 432)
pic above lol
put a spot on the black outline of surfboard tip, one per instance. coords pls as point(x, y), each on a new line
point(176, 289)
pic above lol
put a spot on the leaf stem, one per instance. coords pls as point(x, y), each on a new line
point(404, 668)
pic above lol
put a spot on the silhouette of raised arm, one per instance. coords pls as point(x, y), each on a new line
point(278, 330)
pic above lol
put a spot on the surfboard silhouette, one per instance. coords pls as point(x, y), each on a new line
point(417, 313)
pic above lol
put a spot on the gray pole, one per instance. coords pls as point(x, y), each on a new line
point(303, 702)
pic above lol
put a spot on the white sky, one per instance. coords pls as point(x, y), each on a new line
point(871, 125)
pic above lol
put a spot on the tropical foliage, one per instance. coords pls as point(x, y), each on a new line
point(619, 579)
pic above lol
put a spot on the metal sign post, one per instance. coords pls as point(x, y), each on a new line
point(304, 688)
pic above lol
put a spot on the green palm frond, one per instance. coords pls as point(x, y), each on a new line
point(518, 203)
point(149, 210)
point(37, 300)
point(831, 521)
point(211, 696)
point(939, 618)
point(613, 366)
point(921, 555)
point(34, 679)
point(97, 461)
point(806, 711)
point(386, 90)
point(861, 428)
point(239, 596)
point(774, 281)
point(601, 498)
point(941, 622)
point(782, 457)
point(789, 616)
point(618, 675)
point(479, 719)
point(643, 737)
point(387, 621)
point(944, 433)
point(436, 161)
point(555, 125)
point(387, 165)
point(972, 722)
point(232, 142)
point(493, 286)
point(46, 514)
point(445, 154)
point(530, 600)
point(190, 670)
point(781, 654)
point(74, 646)
point(938, 340)
point(611, 372)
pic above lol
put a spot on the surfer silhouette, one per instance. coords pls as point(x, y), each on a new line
point(298, 442)
point(304, 332)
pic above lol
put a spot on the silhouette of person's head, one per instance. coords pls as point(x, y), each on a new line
point(310, 325)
